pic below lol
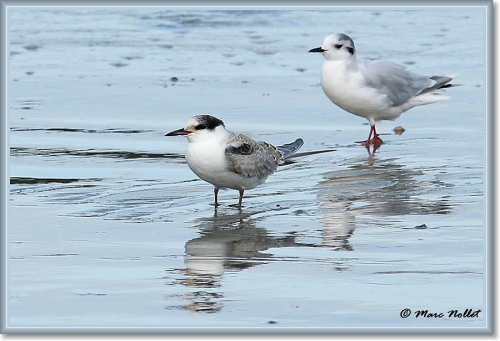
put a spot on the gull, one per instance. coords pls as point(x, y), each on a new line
point(376, 90)
point(230, 160)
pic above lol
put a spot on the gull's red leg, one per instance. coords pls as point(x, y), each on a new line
point(376, 139)
point(373, 137)
point(369, 140)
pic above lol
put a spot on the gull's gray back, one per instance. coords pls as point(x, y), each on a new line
point(394, 80)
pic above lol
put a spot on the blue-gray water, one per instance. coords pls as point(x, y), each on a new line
point(108, 227)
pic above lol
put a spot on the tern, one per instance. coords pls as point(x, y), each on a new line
point(376, 90)
point(230, 160)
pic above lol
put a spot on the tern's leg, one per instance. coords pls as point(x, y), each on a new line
point(216, 192)
point(241, 197)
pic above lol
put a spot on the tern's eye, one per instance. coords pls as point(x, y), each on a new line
point(338, 46)
point(200, 127)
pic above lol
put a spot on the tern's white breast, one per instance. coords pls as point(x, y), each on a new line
point(207, 160)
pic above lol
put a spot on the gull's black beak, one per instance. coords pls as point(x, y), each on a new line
point(178, 132)
point(317, 49)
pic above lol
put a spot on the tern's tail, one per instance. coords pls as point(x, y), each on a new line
point(289, 149)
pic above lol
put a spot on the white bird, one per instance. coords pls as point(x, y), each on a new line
point(376, 90)
point(229, 160)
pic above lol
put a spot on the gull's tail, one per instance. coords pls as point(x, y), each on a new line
point(289, 149)
point(434, 92)
point(441, 82)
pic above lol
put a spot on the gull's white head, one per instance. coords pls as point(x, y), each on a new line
point(337, 46)
point(200, 128)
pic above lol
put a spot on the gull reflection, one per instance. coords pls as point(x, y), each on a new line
point(338, 224)
point(375, 188)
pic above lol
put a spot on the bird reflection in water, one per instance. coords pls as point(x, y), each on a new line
point(376, 188)
point(227, 243)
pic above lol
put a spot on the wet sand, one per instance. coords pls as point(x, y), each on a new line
point(108, 228)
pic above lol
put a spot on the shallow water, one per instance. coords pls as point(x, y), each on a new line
point(108, 227)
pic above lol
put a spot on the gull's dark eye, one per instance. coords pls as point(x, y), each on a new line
point(200, 127)
point(338, 46)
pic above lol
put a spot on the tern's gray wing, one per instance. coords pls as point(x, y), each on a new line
point(249, 158)
point(395, 81)
point(289, 149)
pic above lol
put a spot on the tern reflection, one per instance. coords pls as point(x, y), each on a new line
point(227, 243)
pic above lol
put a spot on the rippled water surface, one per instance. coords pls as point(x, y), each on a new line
point(109, 228)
